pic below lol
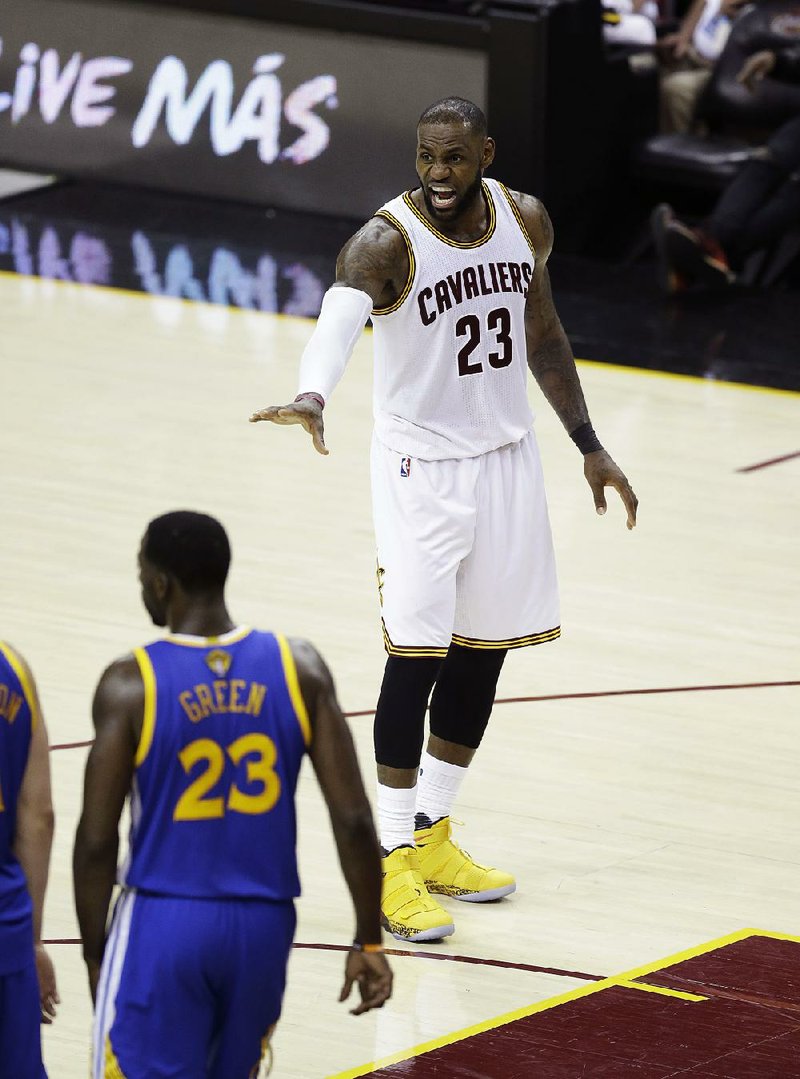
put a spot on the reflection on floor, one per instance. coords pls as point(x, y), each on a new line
point(283, 261)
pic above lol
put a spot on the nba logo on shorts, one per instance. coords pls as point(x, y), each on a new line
point(405, 467)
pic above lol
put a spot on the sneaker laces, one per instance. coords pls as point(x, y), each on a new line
point(466, 853)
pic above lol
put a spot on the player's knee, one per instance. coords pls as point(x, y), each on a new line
point(400, 716)
point(464, 694)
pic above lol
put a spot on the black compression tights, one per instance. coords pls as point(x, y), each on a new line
point(463, 685)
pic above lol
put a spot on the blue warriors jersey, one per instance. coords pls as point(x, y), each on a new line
point(17, 718)
point(223, 736)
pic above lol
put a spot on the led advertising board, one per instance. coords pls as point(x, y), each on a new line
point(229, 107)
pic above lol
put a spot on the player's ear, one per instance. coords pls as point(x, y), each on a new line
point(161, 585)
point(488, 153)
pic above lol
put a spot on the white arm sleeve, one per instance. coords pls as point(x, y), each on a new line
point(341, 320)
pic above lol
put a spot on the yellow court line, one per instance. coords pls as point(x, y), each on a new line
point(651, 373)
point(564, 998)
point(660, 990)
point(142, 295)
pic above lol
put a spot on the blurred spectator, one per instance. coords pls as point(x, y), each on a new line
point(630, 22)
point(688, 56)
point(754, 108)
point(757, 208)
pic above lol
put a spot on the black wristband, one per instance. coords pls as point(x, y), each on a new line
point(585, 438)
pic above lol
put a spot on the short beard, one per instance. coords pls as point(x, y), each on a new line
point(471, 193)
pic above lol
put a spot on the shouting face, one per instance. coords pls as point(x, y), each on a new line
point(450, 163)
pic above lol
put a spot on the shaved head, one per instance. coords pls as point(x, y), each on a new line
point(456, 110)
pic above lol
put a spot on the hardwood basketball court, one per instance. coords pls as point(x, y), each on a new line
point(638, 775)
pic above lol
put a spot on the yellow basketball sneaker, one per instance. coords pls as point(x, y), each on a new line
point(449, 870)
point(409, 912)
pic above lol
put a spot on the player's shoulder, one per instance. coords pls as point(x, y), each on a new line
point(17, 665)
point(13, 657)
point(307, 659)
point(122, 677)
point(378, 237)
point(536, 220)
point(373, 256)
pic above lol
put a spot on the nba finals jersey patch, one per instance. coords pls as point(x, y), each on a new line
point(219, 661)
point(405, 467)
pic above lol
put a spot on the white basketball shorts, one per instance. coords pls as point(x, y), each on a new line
point(465, 552)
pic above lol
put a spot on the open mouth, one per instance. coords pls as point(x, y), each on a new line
point(442, 198)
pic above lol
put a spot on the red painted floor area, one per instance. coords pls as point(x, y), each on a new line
point(748, 1028)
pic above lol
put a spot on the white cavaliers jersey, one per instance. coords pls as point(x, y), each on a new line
point(450, 355)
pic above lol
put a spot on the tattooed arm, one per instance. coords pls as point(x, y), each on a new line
point(549, 351)
point(371, 272)
point(553, 365)
point(375, 261)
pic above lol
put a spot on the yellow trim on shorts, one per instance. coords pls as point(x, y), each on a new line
point(411, 651)
point(412, 265)
point(446, 239)
point(149, 718)
point(27, 688)
point(510, 642)
point(516, 212)
point(293, 685)
point(111, 1068)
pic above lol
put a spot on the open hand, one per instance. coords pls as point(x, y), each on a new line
point(308, 413)
point(374, 977)
point(48, 991)
point(601, 472)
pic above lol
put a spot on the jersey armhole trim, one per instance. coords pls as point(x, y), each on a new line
point(16, 665)
point(412, 265)
point(293, 685)
point(518, 215)
point(149, 717)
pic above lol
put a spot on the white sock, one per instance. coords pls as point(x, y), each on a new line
point(437, 787)
point(396, 816)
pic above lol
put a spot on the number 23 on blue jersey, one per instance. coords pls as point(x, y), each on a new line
point(204, 799)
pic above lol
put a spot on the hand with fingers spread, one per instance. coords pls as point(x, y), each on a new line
point(601, 472)
point(48, 991)
point(306, 410)
point(374, 977)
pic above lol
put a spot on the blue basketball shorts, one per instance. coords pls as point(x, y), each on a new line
point(20, 1025)
point(190, 988)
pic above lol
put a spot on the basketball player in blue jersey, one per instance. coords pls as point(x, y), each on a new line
point(204, 731)
point(454, 275)
point(28, 991)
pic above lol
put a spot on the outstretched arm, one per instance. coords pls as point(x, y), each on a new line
point(553, 366)
point(370, 271)
point(116, 712)
point(33, 836)
point(334, 759)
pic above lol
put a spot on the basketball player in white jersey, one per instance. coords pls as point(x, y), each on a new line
point(454, 275)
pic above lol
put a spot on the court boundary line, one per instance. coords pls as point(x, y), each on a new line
point(311, 318)
point(620, 693)
point(589, 694)
point(617, 980)
point(770, 462)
